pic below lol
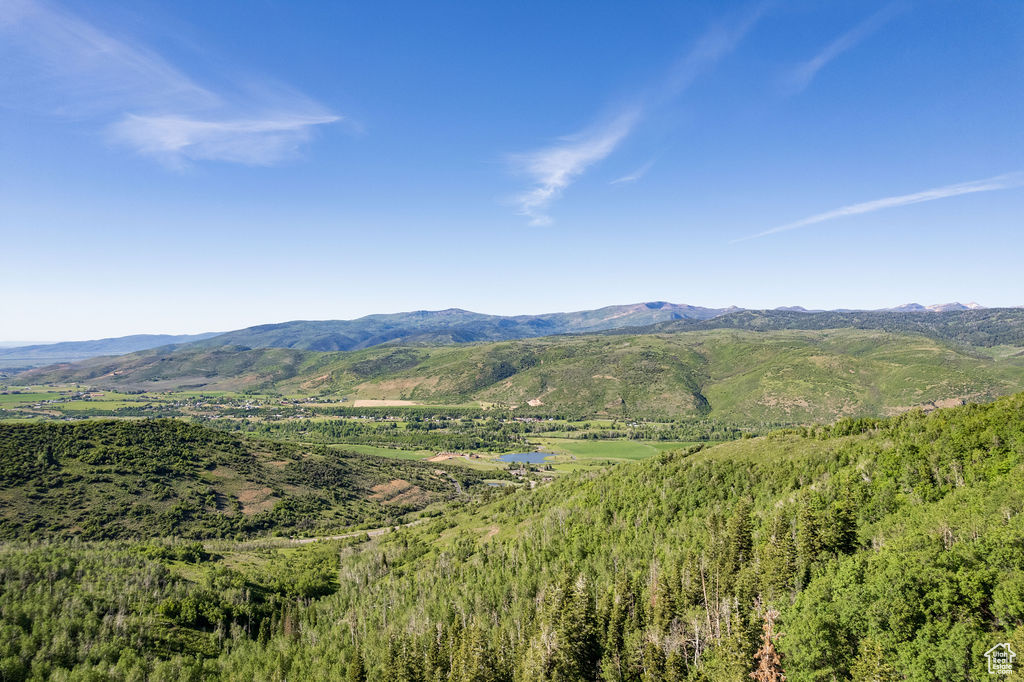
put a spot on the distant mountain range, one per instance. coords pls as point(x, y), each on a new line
point(417, 327)
point(936, 308)
point(738, 375)
point(70, 351)
point(452, 326)
point(905, 308)
point(781, 366)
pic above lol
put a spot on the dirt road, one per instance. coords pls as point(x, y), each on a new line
point(372, 532)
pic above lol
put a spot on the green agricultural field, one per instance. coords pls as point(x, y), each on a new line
point(20, 399)
point(609, 449)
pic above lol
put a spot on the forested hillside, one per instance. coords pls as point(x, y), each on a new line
point(739, 376)
point(885, 550)
point(130, 478)
point(891, 550)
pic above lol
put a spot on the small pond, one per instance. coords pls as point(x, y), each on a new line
point(525, 457)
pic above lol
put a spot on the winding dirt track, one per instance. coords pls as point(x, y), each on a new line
point(372, 532)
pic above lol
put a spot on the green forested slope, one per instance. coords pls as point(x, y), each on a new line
point(893, 552)
point(779, 376)
point(890, 549)
point(149, 478)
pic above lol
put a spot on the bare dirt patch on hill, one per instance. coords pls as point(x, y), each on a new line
point(256, 499)
point(399, 492)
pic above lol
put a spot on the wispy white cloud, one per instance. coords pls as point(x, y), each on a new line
point(1006, 181)
point(57, 63)
point(553, 168)
point(635, 175)
point(174, 139)
point(798, 79)
point(720, 40)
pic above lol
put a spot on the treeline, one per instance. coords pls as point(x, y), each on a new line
point(698, 430)
point(440, 434)
point(402, 413)
point(451, 436)
point(150, 410)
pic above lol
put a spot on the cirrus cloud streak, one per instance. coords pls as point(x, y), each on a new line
point(998, 182)
point(552, 169)
point(55, 63)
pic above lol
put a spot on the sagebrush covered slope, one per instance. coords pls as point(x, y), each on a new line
point(150, 478)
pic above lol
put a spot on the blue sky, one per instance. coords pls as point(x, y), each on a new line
point(193, 166)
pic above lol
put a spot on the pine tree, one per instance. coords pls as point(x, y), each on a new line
point(768, 665)
point(730, 659)
point(615, 621)
point(870, 665)
point(407, 667)
point(534, 663)
point(653, 663)
point(356, 670)
point(739, 540)
point(434, 664)
point(839, 529)
point(808, 541)
point(778, 561)
point(664, 606)
point(472, 663)
point(676, 664)
point(579, 649)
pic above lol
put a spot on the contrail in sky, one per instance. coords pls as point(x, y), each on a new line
point(1006, 181)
